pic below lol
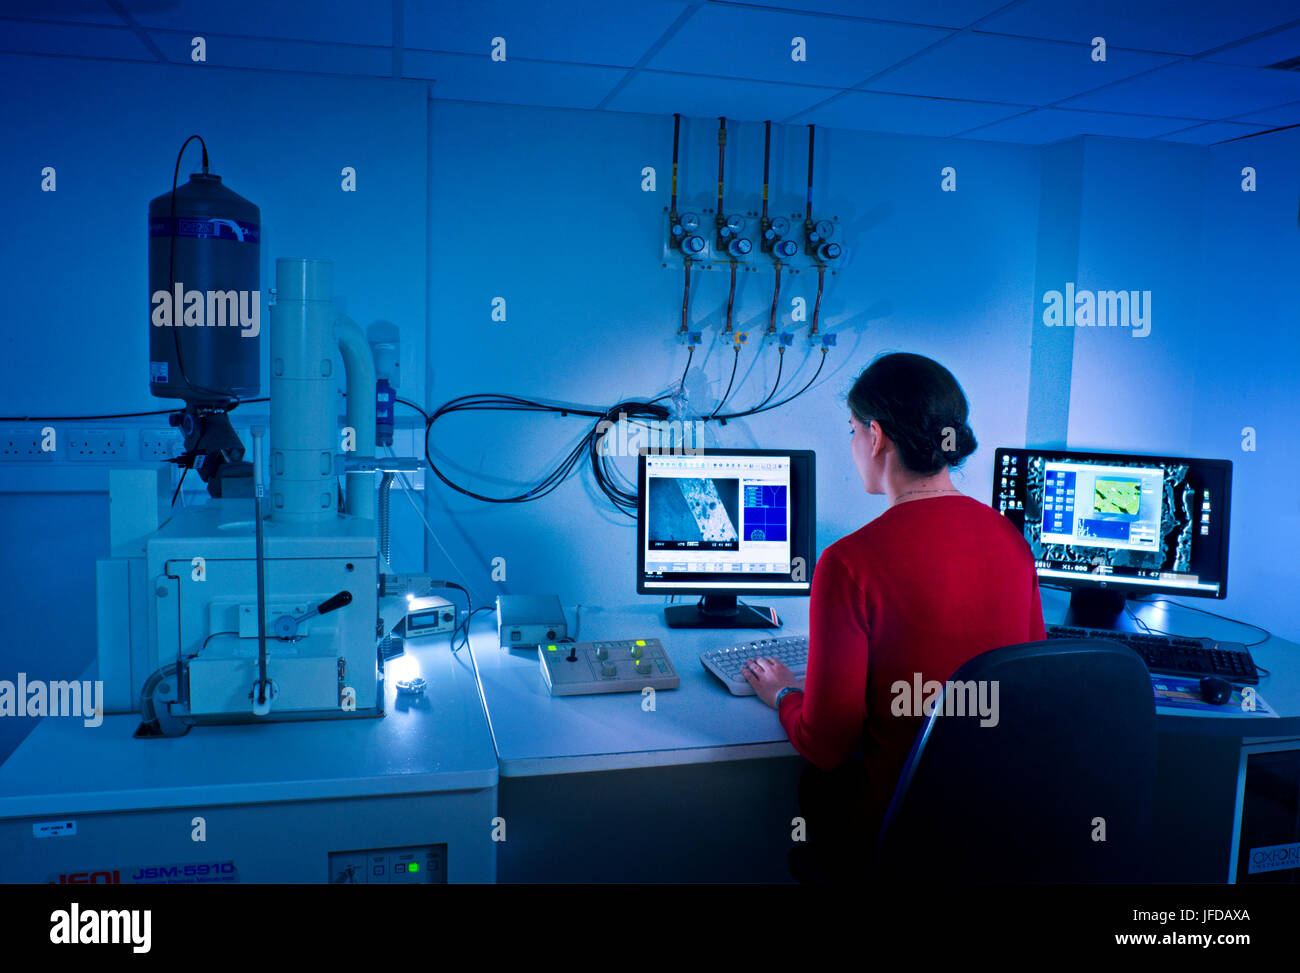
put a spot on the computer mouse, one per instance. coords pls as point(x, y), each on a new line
point(1214, 690)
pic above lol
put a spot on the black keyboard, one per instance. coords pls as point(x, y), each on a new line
point(1175, 655)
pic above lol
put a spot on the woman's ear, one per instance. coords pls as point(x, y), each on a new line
point(877, 439)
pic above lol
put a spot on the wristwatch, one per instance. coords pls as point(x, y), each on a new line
point(781, 695)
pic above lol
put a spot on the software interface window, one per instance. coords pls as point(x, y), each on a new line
point(1143, 521)
point(717, 514)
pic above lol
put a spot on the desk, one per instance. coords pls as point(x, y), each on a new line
point(704, 787)
point(276, 799)
point(599, 788)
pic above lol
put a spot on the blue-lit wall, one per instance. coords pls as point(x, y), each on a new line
point(460, 204)
point(559, 226)
point(1216, 375)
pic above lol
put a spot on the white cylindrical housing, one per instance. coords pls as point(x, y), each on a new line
point(304, 424)
point(359, 364)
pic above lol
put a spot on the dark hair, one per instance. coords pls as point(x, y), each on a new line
point(920, 406)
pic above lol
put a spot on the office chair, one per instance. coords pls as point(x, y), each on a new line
point(1026, 801)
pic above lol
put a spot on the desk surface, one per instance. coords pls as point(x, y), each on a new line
point(699, 722)
point(436, 744)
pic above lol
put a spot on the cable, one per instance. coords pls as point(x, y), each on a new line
point(780, 364)
point(1236, 621)
point(735, 360)
point(409, 491)
point(181, 483)
point(606, 420)
point(410, 404)
point(777, 405)
point(117, 415)
point(681, 386)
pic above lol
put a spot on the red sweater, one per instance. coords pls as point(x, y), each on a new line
point(924, 587)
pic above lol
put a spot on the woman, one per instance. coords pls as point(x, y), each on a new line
point(935, 580)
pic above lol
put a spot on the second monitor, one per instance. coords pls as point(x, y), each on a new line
point(720, 523)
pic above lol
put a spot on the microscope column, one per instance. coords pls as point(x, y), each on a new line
point(303, 390)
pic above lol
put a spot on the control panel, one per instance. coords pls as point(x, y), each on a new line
point(417, 865)
point(621, 666)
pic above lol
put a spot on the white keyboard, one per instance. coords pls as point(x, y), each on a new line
point(726, 663)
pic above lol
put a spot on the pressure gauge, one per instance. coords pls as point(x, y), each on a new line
point(740, 246)
point(735, 223)
point(786, 249)
point(829, 251)
point(690, 222)
point(693, 244)
point(825, 229)
point(780, 226)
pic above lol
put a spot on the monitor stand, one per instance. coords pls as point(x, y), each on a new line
point(720, 611)
point(1099, 608)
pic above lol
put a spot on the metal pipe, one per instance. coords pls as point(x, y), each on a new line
point(677, 128)
point(808, 211)
point(262, 696)
point(767, 155)
point(359, 362)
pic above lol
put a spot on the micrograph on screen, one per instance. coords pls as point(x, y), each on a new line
point(694, 513)
point(1117, 511)
point(766, 512)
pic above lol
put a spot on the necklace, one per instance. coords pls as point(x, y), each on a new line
point(910, 492)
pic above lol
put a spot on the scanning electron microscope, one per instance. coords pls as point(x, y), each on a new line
point(264, 602)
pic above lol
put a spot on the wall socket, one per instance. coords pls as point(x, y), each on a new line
point(159, 444)
point(95, 444)
point(23, 445)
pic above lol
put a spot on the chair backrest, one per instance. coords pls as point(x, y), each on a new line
point(1059, 790)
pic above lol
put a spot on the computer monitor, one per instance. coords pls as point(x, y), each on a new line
point(1111, 526)
point(719, 523)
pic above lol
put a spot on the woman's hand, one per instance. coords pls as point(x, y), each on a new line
point(769, 677)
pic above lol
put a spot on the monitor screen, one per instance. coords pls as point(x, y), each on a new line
point(725, 521)
point(1126, 522)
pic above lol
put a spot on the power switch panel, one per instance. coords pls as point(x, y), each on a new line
point(417, 865)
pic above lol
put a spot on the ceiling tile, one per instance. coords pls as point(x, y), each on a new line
point(278, 55)
point(874, 112)
point(1174, 26)
point(658, 93)
point(935, 13)
point(1010, 70)
point(1282, 115)
point(736, 42)
point(580, 31)
point(462, 77)
point(340, 21)
point(73, 40)
point(77, 11)
point(1046, 125)
point(1197, 89)
point(1212, 132)
point(1279, 46)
